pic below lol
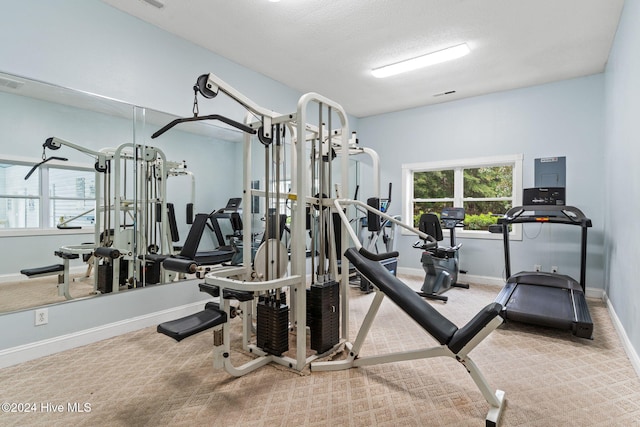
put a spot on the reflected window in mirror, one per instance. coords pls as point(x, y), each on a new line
point(52, 196)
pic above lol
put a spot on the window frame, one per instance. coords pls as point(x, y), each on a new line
point(44, 198)
point(458, 165)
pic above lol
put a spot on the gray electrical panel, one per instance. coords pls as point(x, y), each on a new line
point(550, 172)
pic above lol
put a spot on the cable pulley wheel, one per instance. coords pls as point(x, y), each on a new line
point(275, 265)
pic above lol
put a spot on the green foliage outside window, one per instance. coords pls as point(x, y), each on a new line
point(484, 185)
point(433, 184)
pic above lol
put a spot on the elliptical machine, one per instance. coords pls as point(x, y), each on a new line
point(441, 264)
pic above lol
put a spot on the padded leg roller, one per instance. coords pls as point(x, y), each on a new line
point(180, 265)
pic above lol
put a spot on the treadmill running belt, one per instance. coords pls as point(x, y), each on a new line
point(541, 305)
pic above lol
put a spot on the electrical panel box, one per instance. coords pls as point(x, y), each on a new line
point(550, 172)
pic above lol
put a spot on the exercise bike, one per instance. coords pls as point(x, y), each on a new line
point(441, 264)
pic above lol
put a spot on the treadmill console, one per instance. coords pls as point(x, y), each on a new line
point(544, 196)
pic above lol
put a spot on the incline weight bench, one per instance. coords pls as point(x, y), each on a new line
point(454, 342)
point(188, 260)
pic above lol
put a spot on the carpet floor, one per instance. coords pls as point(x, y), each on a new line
point(142, 378)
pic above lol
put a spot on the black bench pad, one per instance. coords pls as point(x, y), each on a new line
point(471, 329)
point(443, 330)
point(180, 329)
point(47, 269)
point(213, 257)
point(424, 314)
point(66, 255)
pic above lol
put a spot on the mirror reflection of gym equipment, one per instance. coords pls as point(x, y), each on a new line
point(131, 220)
point(75, 236)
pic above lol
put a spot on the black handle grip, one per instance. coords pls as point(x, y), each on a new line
point(223, 119)
point(36, 166)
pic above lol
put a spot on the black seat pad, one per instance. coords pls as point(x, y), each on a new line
point(47, 269)
point(213, 257)
point(180, 329)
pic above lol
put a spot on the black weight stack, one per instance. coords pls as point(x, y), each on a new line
point(323, 315)
point(272, 334)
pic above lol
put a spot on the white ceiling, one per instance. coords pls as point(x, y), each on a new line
point(330, 46)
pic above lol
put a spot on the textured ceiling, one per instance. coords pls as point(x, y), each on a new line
point(330, 46)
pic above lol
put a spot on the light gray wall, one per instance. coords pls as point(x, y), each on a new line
point(90, 46)
point(622, 174)
point(556, 119)
point(27, 122)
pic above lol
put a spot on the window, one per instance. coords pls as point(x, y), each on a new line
point(485, 187)
point(72, 197)
point(52, 195)
point(19, 198)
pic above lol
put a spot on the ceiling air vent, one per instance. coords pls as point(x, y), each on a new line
point(449, 92)
point(154, 3)
point(11, 84)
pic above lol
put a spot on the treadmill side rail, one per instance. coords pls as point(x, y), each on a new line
point(583, 326)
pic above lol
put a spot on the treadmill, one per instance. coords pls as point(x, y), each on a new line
point(540, 298)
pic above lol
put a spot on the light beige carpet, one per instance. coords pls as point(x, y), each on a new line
point(28, 293)
point(146, 379)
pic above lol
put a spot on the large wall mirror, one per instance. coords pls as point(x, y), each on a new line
point(56, 206)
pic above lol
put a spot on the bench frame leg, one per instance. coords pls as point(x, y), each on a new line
point(64, 280)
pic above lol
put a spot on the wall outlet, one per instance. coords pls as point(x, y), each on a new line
point(42, 316)
point(554, 268)
point(537, 267)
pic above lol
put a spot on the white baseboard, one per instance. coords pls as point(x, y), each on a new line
point(628, 347)
point(23, 353)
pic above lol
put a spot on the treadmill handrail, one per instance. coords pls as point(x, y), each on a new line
point(570, 215)
point(515, 216)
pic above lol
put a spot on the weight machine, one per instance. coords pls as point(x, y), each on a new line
point(131, 220)
point(297, 148)
point(317, 299)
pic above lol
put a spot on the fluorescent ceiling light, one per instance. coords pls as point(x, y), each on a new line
point(443, 55)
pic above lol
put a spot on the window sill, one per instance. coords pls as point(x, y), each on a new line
point(44, 232)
